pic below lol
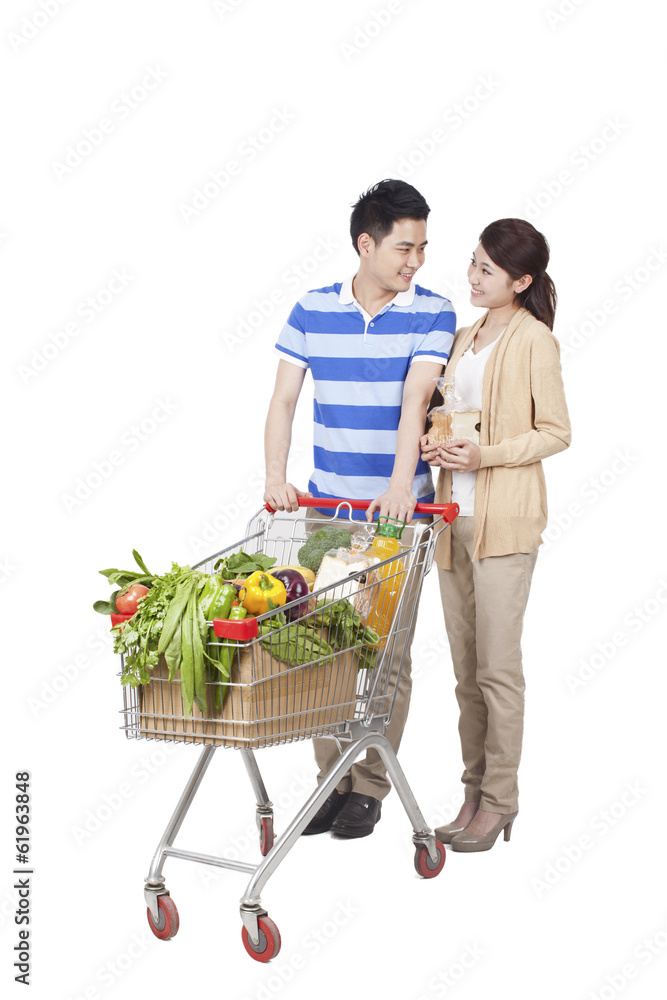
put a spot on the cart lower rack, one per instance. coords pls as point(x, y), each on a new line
point(271, 680)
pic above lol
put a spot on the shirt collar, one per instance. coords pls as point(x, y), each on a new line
point(346, 298)
point(405, 298)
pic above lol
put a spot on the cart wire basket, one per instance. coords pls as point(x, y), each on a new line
point(294, 673)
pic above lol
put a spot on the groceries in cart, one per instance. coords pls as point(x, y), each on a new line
point(377, 602)
point(320, 542)
point(350, 573)
point(168, 631)
point(455, 419)
point(340, 569)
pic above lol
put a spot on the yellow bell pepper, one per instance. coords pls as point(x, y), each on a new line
point(259, 587)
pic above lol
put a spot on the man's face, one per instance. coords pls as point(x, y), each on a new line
point(394, 262)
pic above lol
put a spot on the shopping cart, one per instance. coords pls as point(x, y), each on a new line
point(293, 680)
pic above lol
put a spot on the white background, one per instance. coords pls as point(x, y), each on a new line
point(555, 117)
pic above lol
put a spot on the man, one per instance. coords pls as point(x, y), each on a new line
point(374, 343)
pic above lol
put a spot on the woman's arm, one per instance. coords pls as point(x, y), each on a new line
point(552, 432)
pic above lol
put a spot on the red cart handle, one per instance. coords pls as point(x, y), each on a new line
point(448, 511)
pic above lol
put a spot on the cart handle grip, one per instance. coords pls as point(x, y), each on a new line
point(241, 631)
point(448, 511)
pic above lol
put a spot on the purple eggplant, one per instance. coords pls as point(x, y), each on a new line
point(296, 587)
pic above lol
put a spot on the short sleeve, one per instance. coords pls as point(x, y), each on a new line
point(291, 344)
point(436, 344)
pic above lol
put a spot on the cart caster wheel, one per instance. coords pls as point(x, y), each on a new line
point(269, 941)
point(167, 924)
point(266, 836)
point(423, 864)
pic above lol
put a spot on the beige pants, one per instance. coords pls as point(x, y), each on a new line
point(369, 776)
point(484, 603)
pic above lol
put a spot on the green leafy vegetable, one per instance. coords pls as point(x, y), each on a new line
point(187, 665)
point(243, 564)
point(172, 653)
point(347, 631)
point(175, 612)
point(104, 607)
point(293, 643)
point(199, 636)
point(140, 563)
point(138, 640)
point(122, 579)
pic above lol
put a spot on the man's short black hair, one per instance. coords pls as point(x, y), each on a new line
point(381, 206)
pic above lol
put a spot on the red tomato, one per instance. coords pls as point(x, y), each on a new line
point(126, 603)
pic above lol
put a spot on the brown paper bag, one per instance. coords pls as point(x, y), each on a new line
point(266, 702)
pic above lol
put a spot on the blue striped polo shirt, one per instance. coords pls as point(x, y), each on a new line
point(359, 365)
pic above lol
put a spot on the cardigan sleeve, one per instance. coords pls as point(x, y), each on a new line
point(552, 432)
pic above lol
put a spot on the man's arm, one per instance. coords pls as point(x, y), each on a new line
point(399, 501)
point(278, 437)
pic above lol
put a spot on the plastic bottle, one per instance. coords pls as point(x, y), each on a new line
point(385, 583)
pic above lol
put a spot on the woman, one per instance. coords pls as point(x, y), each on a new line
point(507, 366)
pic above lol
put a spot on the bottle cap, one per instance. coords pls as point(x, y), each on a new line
point(389, 527)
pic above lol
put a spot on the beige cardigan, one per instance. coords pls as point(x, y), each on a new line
point(524, 419)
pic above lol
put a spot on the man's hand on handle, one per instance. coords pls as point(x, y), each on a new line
point(397, 501)
point(283, 496)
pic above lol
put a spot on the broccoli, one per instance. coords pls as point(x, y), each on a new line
point(318, 544)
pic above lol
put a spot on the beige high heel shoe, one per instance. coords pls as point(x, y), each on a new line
point(469, 842)
point(445, 834)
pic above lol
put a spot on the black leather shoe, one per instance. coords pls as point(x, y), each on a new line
point(326, 814)
point(358, 816)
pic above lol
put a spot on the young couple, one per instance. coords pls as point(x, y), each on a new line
point(374, 345)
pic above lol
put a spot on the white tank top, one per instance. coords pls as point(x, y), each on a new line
point(468, 381)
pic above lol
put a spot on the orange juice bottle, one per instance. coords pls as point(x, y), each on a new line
point(387, 580)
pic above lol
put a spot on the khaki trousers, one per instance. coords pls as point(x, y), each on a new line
point(484, 603)
point(369, 776)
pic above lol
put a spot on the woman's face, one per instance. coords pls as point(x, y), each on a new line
point(490, 286)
